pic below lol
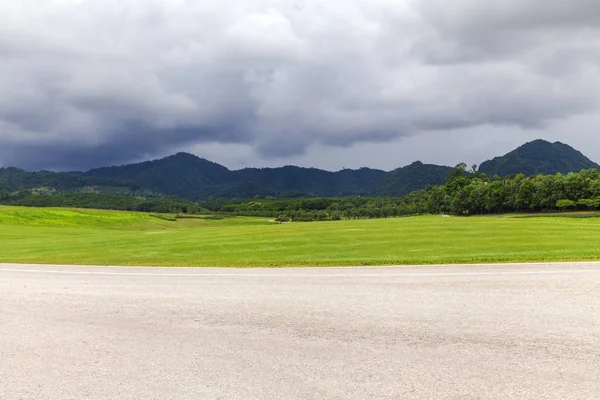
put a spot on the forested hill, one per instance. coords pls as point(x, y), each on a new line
point(290, 181)
point(538, 157)
point(182, 174)
point(13, 179)
point(413, 177)
point(193, 178)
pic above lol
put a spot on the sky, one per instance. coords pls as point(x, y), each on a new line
point(320, 83)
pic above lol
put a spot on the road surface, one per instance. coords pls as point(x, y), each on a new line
point(442, 332)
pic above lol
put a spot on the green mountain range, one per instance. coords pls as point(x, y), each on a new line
point(190, 177)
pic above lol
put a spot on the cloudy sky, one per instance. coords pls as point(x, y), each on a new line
point(325, 83)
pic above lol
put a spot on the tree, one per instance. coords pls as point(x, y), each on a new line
point(477, 197)
point(457, 179)
point(4, 195)
point(436, 202)
point(495, 196)
point(255, 205)
point(591, 204)
point(525, 194)
point(565, 203)
point(460, 201)
point(282, 218)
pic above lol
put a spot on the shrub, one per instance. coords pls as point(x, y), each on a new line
point(166, 217)
point(282, 218)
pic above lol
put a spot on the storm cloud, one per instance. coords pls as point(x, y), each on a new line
point(85, 83)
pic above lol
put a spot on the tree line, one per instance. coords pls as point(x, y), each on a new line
point(466, 192)
point(99, 201)
point(471, 193)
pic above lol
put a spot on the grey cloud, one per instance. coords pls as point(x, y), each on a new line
point(132, 141)
point(108, 82)
point(509, 15)
point(473, 30)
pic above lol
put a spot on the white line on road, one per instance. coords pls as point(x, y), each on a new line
point(300, 275)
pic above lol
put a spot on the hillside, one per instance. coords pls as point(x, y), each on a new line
point(538, 157)
point(412, 177)
point(187, 176)
point(182, 174)
point(13, 179)
point(191, 177)
point(292, 180)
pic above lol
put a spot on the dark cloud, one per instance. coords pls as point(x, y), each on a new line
point(109, 82)
point(132, 141)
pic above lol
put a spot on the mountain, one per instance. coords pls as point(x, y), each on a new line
point(312, 181)
point(538, 157)
point(193, 178)
point(412, 177)
point(188, 176)
point(182, 174)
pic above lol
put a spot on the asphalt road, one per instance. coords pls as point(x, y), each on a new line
point(447, 332)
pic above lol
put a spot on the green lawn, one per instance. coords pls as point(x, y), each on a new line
point(64, 236)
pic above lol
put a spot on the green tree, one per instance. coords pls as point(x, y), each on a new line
point(565, 204)
point(591, 204)
point(4, 195)
point(495, 197)
point(457, 179)
point(525, 195)
point(282, 218)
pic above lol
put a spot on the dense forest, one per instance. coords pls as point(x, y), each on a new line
point(466, 192)
point(474, 193)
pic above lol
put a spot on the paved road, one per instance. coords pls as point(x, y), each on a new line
point(450, 332)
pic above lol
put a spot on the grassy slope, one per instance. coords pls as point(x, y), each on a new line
point(121, 238)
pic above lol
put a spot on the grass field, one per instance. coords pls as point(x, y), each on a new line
point(64, 236)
